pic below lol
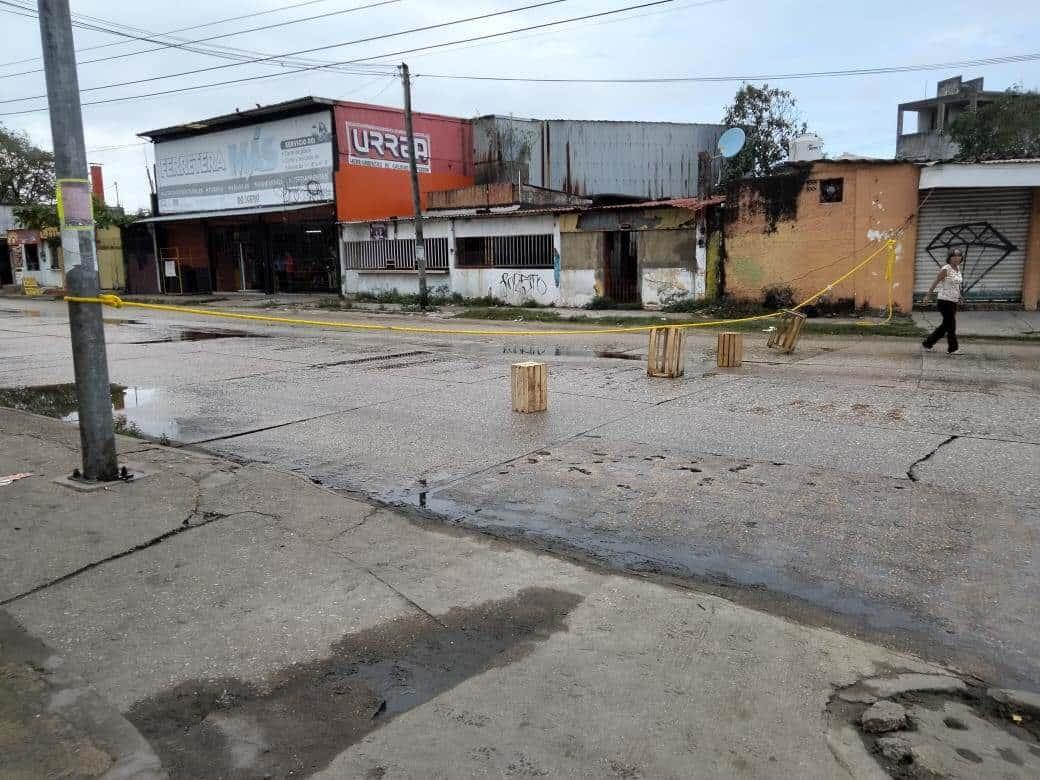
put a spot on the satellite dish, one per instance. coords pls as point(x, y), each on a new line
point(731, 142)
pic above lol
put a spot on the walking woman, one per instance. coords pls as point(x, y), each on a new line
point(948, 283)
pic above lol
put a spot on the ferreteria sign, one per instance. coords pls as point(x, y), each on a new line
point(285, 162)
point(380, 147)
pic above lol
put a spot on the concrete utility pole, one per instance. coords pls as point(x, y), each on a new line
point(413, 168)
point(97, 438)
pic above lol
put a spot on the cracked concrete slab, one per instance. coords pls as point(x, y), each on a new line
point(1003, 467)
point(687, 424)
point(106, 522)
point(890, 557)
point(387, 449)
point(211, 409)
point(241, 596)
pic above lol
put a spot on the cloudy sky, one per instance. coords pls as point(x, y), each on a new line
point(679, 38)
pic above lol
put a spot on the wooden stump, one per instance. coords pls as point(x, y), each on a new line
point(788, 329)
point(530, 387)
point(665, 355)
point(730, 350)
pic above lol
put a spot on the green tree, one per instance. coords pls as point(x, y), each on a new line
point(37, 216)
point(1007, 128)
point(26, 171)
point(770, 117)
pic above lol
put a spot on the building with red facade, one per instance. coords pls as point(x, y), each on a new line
point(251, 200)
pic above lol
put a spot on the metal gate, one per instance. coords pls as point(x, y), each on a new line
point(991, 227)
point(621, 266)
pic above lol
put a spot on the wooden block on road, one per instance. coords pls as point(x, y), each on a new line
point(664, 356)
point(530, 387)
point(730, 350)
point(788, 329)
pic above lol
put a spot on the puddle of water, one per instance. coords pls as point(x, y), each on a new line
point(138, 411)
point(305, 714)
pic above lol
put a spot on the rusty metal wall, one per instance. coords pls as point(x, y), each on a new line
point(639, 159)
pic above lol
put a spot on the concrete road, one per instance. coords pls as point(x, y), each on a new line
point(265, 626)
point(859, 484)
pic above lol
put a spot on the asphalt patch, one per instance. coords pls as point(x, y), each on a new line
point(299, 718)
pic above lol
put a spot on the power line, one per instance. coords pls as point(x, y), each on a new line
point(364, 59)
point(99, 149)
point(369, 39)
point(682, 79)
point(186, 44)
point(601, 22)
point(760, 77)
point(214, 23)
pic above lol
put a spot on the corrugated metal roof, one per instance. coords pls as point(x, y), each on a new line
point(239, 117)
point(689, 204)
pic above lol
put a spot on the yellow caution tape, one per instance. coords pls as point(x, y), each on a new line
point(118, 303)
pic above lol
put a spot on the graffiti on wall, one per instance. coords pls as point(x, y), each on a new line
point(667, 287)
point(521, 284)
point(983, 246)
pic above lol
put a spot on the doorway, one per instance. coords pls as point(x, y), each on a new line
point(238, 258)
point(6, 274)
point(621, 267)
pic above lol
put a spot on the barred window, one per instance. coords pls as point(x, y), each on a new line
point(528, 251)
point(396, 254)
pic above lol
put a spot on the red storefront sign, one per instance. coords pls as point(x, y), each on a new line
point(372, 180)
point(381, 147)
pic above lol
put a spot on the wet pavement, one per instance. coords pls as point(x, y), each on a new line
point(858, 483)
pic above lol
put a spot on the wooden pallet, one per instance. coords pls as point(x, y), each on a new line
point(664, 356)
point(30, 287)
point(530, 387)
point(730, 350)
point(788, 329)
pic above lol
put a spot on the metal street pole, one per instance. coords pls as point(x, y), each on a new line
point(413, 168)
point(75, 213)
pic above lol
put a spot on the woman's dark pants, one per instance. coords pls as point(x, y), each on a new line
point(948, 310)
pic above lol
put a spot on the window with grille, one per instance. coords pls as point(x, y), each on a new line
point(832, 190)
point(396, 254)
point(528, 251)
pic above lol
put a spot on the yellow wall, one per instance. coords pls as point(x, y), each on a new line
point(110, 258)
point(824, 240)
point(1031, 278)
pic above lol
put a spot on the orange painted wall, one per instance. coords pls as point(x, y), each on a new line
point(379, 193)
point(371, 193)
point(1031, 278)
point(824, 240)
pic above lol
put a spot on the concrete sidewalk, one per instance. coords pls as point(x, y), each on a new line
point(250, 623)
point(1018, 324)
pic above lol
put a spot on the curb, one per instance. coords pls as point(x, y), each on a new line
point(70, 698)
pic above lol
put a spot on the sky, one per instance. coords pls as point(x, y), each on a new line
point(740, 38)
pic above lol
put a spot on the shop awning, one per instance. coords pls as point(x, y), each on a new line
point(234, 212)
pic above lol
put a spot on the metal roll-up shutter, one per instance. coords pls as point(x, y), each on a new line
point(991, 226)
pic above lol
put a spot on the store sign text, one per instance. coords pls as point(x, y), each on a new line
point(379, 147)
